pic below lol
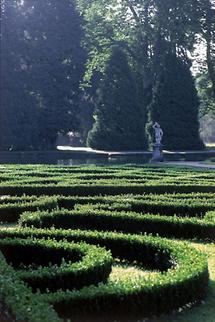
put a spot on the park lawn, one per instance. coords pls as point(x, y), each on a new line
point(205, 312)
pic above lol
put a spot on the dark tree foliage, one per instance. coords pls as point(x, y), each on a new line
point(207, 24)
point(16, 103)
point(151, 28)
point(175, 106)
point(206, 95)
point(58, 66)
point(118, 121)
point(44, 64)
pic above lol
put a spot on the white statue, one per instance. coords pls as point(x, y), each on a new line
point(158, 133)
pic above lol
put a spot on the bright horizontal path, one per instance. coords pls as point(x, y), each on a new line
point(192, 164)
point(85, 149)
point(130, 153)
point(89, 150)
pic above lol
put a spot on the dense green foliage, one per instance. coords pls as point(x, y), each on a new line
point(207, 28)
point(28, 306)
point(118, 219)
point(150, 31)
point(11, 208)
point(43, 64)
point(51, 265)
point(203, 83)
point(175, 106)
point(99, 181)
point(59, 72)
point(172, 259)
point(51, 249)
point(118, 122)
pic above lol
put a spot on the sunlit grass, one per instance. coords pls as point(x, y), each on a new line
point(205, 312)
point(121, 273)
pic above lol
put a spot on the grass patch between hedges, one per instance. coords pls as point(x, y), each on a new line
point(124, 272)
point(206, 311)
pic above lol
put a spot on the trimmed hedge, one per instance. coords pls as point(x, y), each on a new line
point(172, 289)
point(22, 303)
point(210, 216)
point(98, 189)
point(180, 203)
point(52, 265)
point(11, 208)
point(183, 280)
point(93, 180)
point(88, 218)
point(167, 204)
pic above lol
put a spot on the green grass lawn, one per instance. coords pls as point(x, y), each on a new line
point(204, 312)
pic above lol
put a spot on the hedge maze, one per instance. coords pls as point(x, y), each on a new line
point(69, 236)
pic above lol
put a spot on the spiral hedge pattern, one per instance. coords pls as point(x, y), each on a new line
point(74, 223)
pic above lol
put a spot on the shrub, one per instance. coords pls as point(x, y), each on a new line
point(52, 265)
point(183, 279)
point(88, 218)
point(25, 305)
point(123, 199)
point(10, 210)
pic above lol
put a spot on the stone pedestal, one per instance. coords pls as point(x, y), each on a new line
point(157, 155)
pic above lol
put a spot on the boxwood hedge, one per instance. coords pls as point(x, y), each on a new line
point(176, 285)
point(20, 300)
point(129, 200)
point(52, 265)
point(103, 189)
point(11, 208)
point(88, 218)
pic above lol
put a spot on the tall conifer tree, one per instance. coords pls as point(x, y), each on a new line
point(175, 106)
point(118, 121)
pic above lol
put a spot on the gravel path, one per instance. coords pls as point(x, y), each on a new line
point(191, 164)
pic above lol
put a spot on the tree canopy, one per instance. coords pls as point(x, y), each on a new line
point(118, 122)
point(43, 65)
point(175, 106)
point(58, 60)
